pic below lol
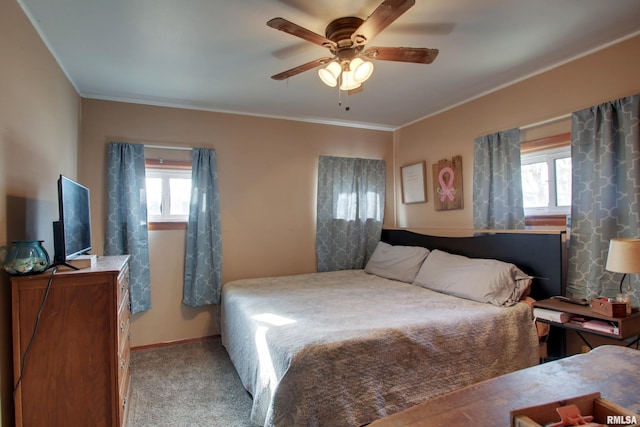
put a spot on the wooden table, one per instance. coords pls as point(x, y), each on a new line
point(614, 371)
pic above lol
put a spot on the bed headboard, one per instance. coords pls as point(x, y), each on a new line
point(537, 254)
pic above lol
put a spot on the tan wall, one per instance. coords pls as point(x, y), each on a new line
point(39, 121)
point(605, 75)
point(267, 176)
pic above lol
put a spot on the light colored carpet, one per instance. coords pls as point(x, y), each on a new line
point(186, 385)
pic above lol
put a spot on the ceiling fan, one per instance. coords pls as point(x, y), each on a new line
point(346, 38)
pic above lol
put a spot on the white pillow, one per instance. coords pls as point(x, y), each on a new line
point(483, 280)
point(396, 262)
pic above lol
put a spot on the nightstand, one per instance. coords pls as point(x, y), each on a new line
point(626, 328)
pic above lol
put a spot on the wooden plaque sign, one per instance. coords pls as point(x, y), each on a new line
point(447, 184)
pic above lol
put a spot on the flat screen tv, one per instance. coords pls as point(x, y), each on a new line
point(72, 232)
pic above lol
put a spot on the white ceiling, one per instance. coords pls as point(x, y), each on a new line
point(218, 55)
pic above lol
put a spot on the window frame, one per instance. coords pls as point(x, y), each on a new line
point(166, 168)
point(554, 147)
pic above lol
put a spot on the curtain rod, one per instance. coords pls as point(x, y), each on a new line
point(546, 122)
point(168, 147)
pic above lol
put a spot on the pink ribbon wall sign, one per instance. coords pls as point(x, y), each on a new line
point(446, 190)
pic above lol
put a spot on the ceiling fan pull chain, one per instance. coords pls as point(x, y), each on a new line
point(347, 108)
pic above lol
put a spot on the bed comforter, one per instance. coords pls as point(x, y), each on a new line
point(345, 348)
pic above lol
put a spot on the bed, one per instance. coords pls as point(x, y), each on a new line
point(345, 348)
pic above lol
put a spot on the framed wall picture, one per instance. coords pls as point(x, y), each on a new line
point(413, 183)
point(447, 184)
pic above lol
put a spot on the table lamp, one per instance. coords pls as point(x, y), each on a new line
point(624, 257)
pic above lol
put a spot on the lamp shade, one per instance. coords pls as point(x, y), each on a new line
point(329, 74)
point(348, 81)
point(624, 256)
point(361, 69)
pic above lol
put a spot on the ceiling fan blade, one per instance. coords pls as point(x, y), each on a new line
point(298, 31)
point(301, 68)
point(385, 14)
point(403, 54)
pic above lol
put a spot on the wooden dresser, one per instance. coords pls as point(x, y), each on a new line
point(76, 371)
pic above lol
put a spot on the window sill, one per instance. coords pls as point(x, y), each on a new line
point(537, 220)
point(167, 225)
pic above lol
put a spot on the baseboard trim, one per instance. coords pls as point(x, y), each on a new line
point(169, 343)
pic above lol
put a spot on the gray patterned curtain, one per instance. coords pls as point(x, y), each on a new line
point(605, 153)
point(203, 256)
point(350, 211)
point(497, 182)
point(126, 227)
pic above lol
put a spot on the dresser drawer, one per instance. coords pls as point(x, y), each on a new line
point(125, 398)
point(123, 284)
point(124, 322)
point(123, 367)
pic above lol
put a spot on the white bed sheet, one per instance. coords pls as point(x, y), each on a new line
point(345, 348)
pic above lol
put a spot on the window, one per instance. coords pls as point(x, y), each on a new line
point(546, 181)
point(168, 192)
point(349, 204)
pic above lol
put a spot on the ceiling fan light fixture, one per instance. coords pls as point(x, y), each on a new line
point(361, 69)
point(329, 74)
point(346, 38)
